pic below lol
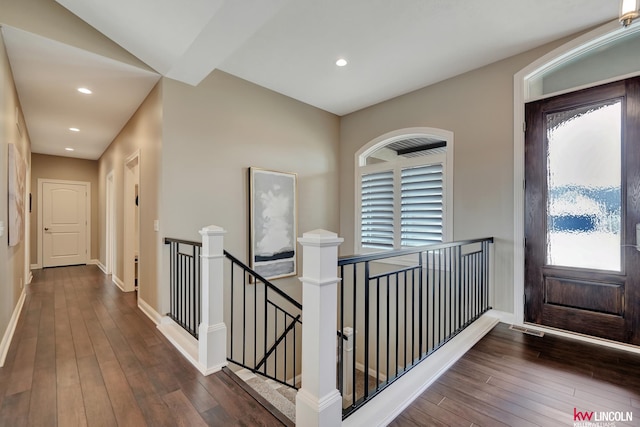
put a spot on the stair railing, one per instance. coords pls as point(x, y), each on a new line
point(185, 284)
point(264, 324)
point(404, 305)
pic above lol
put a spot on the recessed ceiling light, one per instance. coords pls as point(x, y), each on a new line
point(69, 149)
point(85, 90)
point(74, 129)
point(341, 62)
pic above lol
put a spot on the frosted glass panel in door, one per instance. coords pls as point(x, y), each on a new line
point(584, 186)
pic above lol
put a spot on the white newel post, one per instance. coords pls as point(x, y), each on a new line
point(318, 402)
point(212, 340)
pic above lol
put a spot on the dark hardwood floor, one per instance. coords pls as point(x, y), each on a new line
point(513, 379)
point(84, 354)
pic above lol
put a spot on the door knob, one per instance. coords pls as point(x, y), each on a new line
point(46, 229)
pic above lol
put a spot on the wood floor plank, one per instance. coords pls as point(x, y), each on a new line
point(184, 413)
point(70, 406)
point(15, 409)
point(122, 399)
point(94, 393)
point(428, 412)
point(22, 370)
point(535, 414)
point(43, 402)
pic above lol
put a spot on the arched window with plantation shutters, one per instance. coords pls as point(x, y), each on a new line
point(403, 193)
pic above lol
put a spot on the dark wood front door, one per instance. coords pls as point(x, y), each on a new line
point(582, 196)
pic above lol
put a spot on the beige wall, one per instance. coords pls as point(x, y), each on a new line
point(142, 133)
point(214, 132)
point(478, 108)
point(12, 259)
point(68, 169)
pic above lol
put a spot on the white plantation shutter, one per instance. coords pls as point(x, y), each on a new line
point(377, 230)
point(421, 205)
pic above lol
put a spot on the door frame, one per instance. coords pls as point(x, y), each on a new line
point(110, 222)
point(131, 178)
point(87, 186)
point(567, 51)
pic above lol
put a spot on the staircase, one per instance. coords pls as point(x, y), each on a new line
point(283, 398)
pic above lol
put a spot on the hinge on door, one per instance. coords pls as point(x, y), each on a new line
point(524, 126)
point(525, 242)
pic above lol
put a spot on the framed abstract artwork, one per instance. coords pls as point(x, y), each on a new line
point(17, 178)
point(273, 222)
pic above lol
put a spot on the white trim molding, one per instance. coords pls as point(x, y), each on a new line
point(119, 283)
point(11, 329)
point(185, 344)
point(149, 311)
point(87, 185)
point(99, 264)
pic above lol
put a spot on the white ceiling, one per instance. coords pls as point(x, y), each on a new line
point(47, 74)
point(290, 46)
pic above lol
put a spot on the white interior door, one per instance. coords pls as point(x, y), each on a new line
point(64, 222)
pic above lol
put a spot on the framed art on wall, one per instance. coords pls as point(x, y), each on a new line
point(17, 178)
point(273, 222)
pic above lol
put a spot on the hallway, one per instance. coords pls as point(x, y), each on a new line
point(84, 354)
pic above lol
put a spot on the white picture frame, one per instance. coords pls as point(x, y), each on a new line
point(273, 223)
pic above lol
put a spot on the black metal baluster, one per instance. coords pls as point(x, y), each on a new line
point(264, 325)
point(353, 355)
point(377, 332)
point(450, 287)
point(413, 316)
point(244, 318)
point(366, 330)
point(388, 344)
point(420, 282)
point(404, 318)
point(397, 359)
point(340, 338)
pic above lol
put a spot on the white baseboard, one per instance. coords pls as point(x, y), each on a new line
point(99, 264)
point(11, 329)
point(387, 405)
point(184, 343)
point(29, 278)
point(149, 311)
point(503, 316)
point(36, 266)
point(119, 283)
